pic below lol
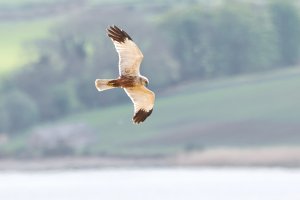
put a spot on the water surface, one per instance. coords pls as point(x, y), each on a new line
point(152, 184)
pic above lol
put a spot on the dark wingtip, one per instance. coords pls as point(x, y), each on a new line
point(141, 115)
point(117, 34)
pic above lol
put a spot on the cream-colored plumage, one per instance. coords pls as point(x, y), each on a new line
point(130, 58)
point(142, 98)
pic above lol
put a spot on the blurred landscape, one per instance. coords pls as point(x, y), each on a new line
point(226, 74)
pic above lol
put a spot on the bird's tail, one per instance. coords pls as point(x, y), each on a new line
point(103, 84)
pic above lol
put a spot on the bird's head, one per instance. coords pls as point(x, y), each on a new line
point(145, 81)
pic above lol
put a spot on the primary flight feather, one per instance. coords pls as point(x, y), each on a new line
point(130, 79)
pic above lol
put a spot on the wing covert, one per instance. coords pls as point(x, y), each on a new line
point(143, 100)
point(130, 56)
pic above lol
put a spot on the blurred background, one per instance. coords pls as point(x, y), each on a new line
point(226, 76)
point(227, 81)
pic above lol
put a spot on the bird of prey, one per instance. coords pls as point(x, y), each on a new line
point(130, 79)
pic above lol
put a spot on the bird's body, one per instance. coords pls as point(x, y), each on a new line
point(130, 79)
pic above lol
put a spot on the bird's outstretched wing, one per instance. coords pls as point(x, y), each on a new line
point(130, 56)
point(143, 100)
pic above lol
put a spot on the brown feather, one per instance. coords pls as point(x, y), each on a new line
point(123, 82)
point(117, 34)
point(141, 115)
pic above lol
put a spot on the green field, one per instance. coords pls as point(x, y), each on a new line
point(19, 34)
point(242, 111)
point(18, 37)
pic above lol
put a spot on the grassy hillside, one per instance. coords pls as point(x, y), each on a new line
point(24, 22)
point(253, 110)
point(17, 41)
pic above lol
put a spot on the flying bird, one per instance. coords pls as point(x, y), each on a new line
point(130, 79)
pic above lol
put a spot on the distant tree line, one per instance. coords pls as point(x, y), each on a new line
point(186, 41)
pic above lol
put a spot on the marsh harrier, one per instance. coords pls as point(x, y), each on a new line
point(130, 79)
